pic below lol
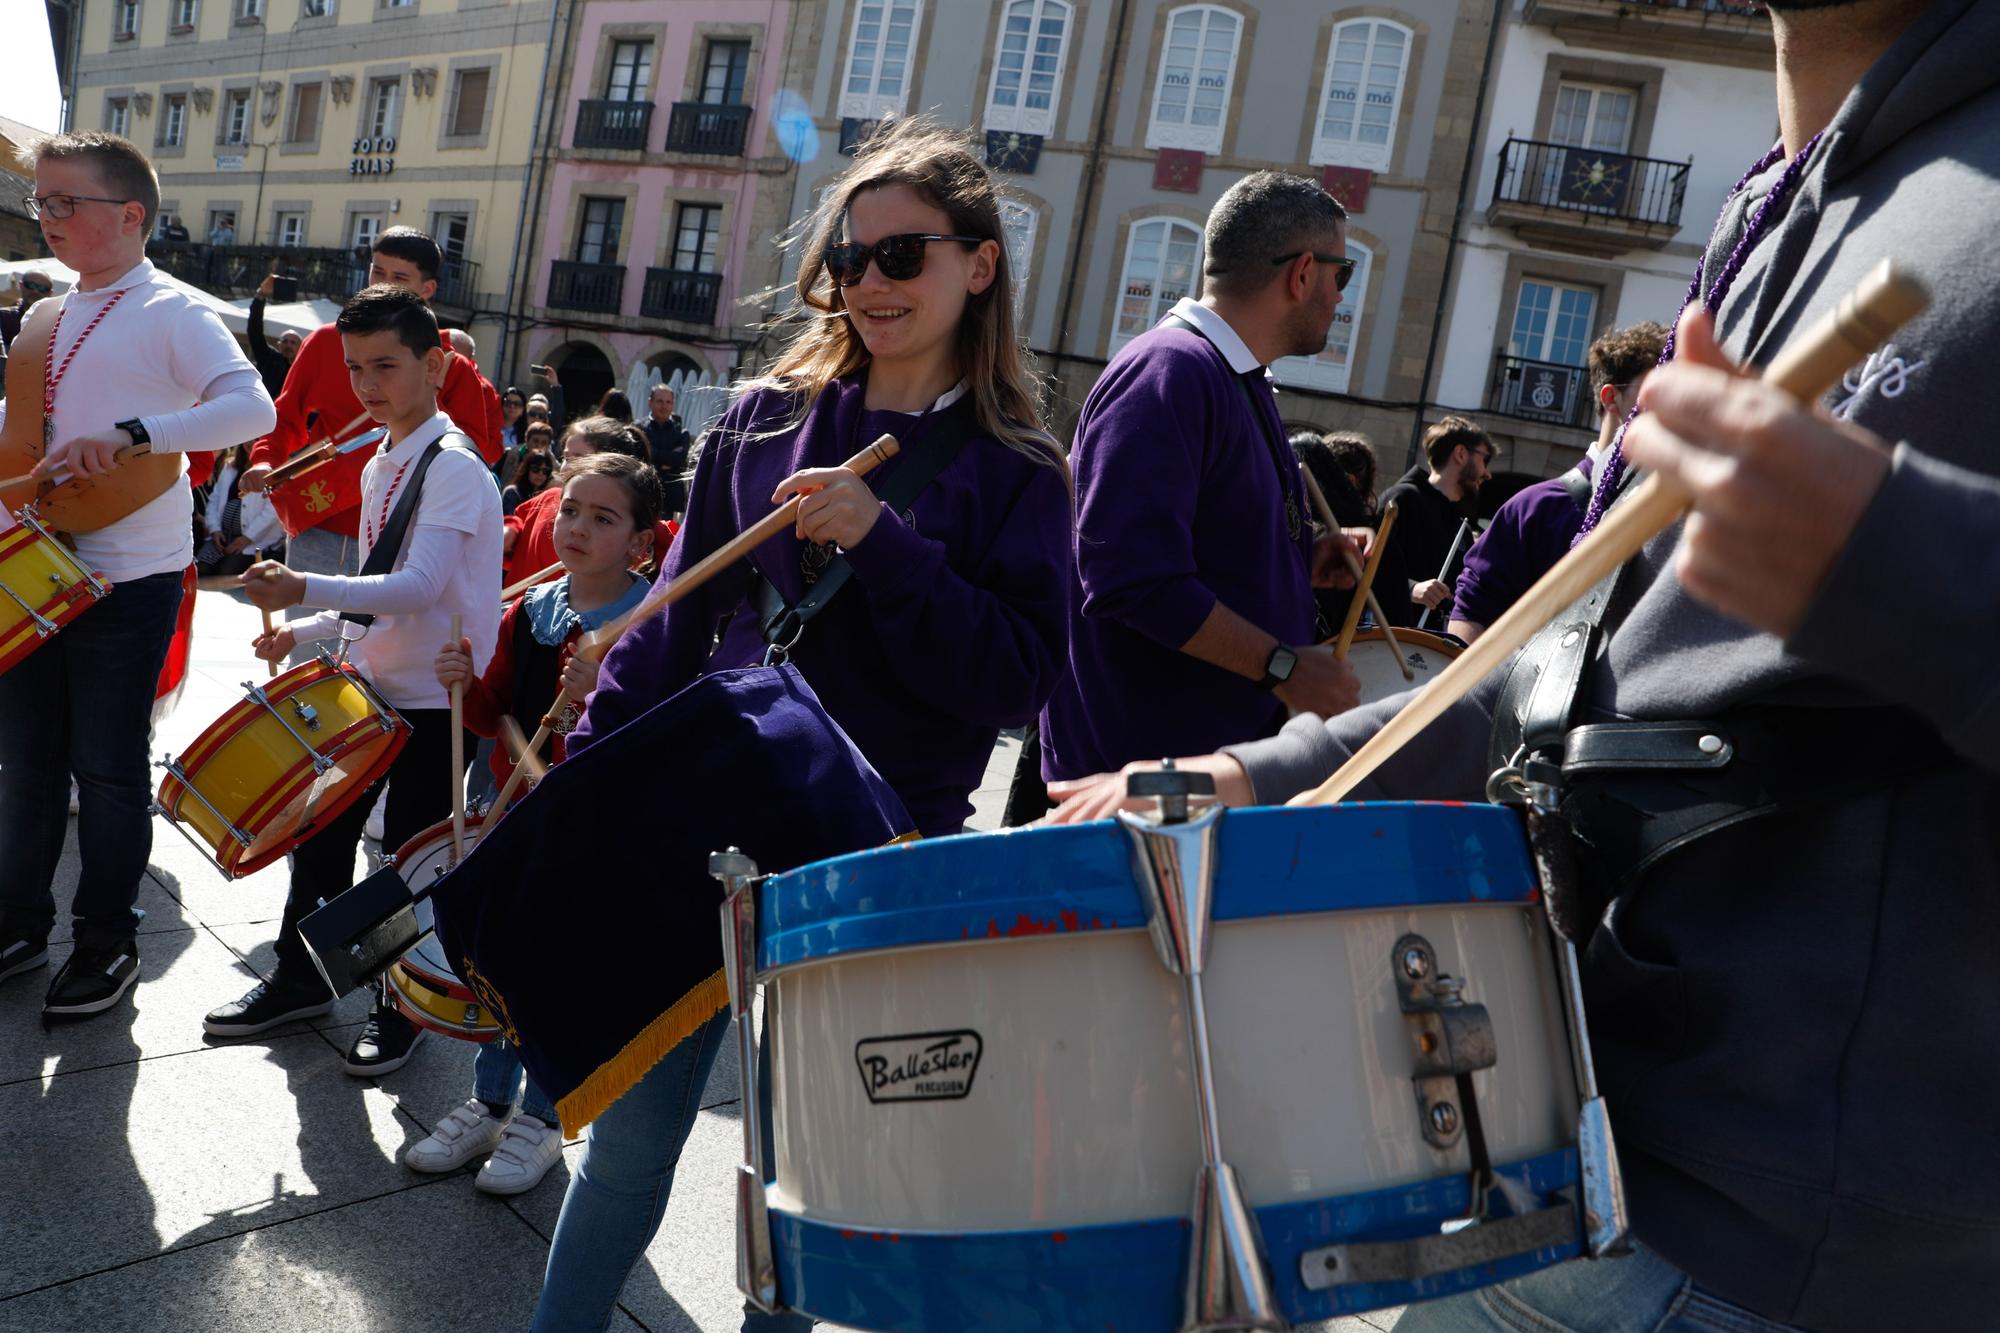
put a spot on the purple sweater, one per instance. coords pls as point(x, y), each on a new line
point(952, 627)
point(1180, 504)
point(1527, 536)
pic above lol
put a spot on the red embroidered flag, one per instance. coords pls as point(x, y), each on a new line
point(1178, 169)
point(1349, 185)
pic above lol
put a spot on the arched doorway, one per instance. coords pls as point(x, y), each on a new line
point(585, 373)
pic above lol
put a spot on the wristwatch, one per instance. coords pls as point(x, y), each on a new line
point(1278, 667)
point(137, 430)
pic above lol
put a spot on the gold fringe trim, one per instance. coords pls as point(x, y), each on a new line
point(615, 1076)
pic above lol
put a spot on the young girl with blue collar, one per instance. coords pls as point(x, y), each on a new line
point(603, 529)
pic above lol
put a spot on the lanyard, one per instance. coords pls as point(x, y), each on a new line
point(52, 374)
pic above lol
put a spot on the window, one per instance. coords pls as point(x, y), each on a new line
point(250, 10)
point(467, 114)
point(1160, 259)
point(1330, 370)
point(1588, 116)
point(399, 4)
point(1365, 64)
point(184, 13)
point(631, 72)
point(1027, 66)
point(304, 126)
point(451, 231)
point(1017, 233)
point(724, 75)
point(367, 230)
point(291, 229)
point(382, 99)
point(173, 120)
point(126, 22)
point(236, 117)
point(1197, 70)
point(118, 116)
point(1552, 322)
point(878, 58)
point(598, 234)
point(316, 9)
point(167, 217)
point(694, 238)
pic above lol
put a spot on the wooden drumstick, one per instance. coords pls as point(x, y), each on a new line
point(664, 594)
point(518, 752)
point(1364, 586)
point(270, 628)
point(457, 751)
point(1806, 370)
point(125, 455)
point(512, 591)
point(1345, 639)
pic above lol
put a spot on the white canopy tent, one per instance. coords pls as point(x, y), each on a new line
point(300, 317)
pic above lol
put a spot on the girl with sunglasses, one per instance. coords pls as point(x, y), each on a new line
point(532, 474)
point(955, 625)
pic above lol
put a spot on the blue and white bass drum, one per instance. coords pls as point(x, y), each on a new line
point(1241, 1070)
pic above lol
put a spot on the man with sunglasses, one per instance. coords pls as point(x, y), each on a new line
point(1432, 500)
point(1193, 621)
point(33, 285)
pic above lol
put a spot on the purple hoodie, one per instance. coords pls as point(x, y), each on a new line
point(953, 626)
point(1531, 531)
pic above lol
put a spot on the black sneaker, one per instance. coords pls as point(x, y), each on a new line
point(266, 1006)
point(385, 1043)
point(21, 952)
point(94, 978)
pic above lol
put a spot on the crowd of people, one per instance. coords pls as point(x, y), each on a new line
point(1771, 941)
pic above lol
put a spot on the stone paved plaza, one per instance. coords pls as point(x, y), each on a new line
point(158, 1180)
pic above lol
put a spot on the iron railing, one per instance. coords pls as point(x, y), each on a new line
point(680, 294)
point(1541, 391)
point(323, 273)
point(1591, 181)
point(606, 124)
point(574, 285)
point(708, 127)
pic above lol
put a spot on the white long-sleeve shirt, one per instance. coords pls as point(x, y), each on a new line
point(450, 562)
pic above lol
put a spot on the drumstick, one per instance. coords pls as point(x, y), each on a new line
point(312, 456)
point(664, 594)
point(1805, 370)
point(509, 593)
point(270, 628)
point(125, 455)
point(1346, 637)
point(518, 752)
point(457, 751)
point(1364, 586)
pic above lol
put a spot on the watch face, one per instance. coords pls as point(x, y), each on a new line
point(1282, 662)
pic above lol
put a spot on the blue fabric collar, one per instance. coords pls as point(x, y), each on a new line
point(552, 618)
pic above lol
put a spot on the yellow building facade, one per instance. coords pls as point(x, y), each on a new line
point(299, 130)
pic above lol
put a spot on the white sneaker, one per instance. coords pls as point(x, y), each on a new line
point(374, 828)
point(527, 1149)
point(466, 1133)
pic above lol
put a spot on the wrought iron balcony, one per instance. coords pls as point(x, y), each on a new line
point(1718, 31)
point(323, 272)
point(1587, 199)
point(708, 127)
point(598, 288)
point(607, 124)
point(680, 294)
point(1541, 391)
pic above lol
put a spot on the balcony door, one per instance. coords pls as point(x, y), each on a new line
point(1591, 121)
point(725, 73)
point(598, 234)
point(631, 73)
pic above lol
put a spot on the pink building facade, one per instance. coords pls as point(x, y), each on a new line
point(665, 189)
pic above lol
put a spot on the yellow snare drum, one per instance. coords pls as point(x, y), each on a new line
point(278, 767)
point(42, 588)
point(423, 983)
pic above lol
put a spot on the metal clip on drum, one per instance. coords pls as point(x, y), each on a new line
point(1228, 1284)
point(756, 1262)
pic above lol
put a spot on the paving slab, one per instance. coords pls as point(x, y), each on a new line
point(438, 1256)
point(185, 1148)
point(177, 969)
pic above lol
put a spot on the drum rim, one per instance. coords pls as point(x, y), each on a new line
point(1414, 638)
point(65, 606)
point(1402, 854)
point(401, 982)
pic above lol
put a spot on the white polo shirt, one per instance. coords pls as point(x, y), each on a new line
point(155, 356)
point(450, 562)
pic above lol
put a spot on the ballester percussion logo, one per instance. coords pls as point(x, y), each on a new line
point(919, 1067)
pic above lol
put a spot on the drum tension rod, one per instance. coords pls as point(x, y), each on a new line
point(255, 693)
point(1451, 1040)
point(43, 626)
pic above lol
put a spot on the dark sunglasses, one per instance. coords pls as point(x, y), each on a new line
point(899, 257)
point(1344, 266)
point(44, 289)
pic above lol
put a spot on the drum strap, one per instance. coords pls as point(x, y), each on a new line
point(782, 624)
point(388, 547)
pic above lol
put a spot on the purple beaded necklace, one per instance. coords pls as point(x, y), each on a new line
point(1613, 470)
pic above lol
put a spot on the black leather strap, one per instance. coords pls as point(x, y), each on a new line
point(1578, 487)
point(919, 467)
point(388, 547)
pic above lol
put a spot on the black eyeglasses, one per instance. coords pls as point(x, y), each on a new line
point(899, 257)
point(60, 206)
point(1343, 265)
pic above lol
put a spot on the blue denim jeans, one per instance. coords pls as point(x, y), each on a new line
point(82, 704)
point(1641, 1293)
point(497, 1074)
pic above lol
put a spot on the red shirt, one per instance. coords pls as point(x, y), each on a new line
point(329, 497)
point(488, 698)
